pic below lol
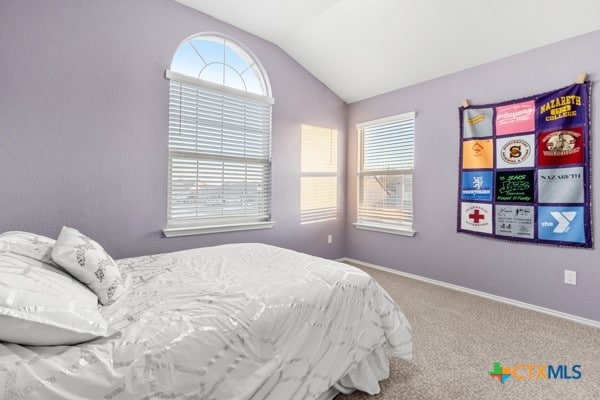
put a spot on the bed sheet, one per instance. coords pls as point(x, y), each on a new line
point(230, 322)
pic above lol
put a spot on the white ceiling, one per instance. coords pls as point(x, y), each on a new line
point(361, 48)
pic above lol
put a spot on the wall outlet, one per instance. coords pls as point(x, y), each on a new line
point(329, 239)
point(570, 277)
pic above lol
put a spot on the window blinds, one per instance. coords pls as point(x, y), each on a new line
point(386, 161)
point(318, 199)
point(219, 155)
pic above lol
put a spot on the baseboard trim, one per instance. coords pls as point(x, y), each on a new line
point(506, 300)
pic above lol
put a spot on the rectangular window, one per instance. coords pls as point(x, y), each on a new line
point(385, 174)
point(318, 181)
point(219, 159)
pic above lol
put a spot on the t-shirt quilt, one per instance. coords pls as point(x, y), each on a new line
point(524, 169)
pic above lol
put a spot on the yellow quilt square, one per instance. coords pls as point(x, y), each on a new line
point(478, 154)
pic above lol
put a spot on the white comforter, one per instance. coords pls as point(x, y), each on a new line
point(245, 321)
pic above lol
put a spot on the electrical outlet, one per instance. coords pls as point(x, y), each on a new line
point(329, 239)
point(570, 277)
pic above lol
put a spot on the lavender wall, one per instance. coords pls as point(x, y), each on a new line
point(83, 111)
point(525, 272)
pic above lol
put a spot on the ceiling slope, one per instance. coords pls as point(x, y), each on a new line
point(362, 48)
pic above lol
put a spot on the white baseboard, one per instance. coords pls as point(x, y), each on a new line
point(506, 300)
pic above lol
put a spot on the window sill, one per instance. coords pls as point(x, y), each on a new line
point(201, 230)
point(395, 230)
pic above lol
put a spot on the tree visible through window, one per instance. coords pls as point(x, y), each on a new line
point(219, 139)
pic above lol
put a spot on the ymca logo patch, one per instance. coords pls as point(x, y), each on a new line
point(563, 224)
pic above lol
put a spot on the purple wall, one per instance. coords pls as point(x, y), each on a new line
point(83, 111)
point(83, 108)
point(524, 272)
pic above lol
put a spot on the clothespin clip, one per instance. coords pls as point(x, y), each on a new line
point(465, 103)
point(581, 78)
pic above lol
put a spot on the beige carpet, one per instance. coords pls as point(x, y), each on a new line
point(458, 336)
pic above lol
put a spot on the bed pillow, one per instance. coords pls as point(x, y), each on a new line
point(27, 244)
point(87, 261)
point(41, 305)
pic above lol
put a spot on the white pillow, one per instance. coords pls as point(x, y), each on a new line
point(41, 305)
point(87, 261)
point(27, 244)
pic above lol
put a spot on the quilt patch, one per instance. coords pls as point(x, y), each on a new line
point(515, 221)
point(515, 152)
point(478, 154)
point(477, 185)
point(514, 186)
point(515, 118)
point(478, 123)
point(524, 169)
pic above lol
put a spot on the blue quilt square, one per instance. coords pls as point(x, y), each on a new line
point(561, 224)
point(477, 185)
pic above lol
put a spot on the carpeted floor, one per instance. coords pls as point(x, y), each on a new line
point(458, 337)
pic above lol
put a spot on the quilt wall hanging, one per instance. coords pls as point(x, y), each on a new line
point(524, 172)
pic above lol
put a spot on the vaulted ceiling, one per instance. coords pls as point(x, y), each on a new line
point(362, 48)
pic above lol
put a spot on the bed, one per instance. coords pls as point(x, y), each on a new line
point(230, 322)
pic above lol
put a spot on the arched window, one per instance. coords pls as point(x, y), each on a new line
point(219, 139)
point(221, 61)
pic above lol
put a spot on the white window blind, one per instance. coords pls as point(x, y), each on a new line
point(318, 181)
point(219, 155)
point(386, 162)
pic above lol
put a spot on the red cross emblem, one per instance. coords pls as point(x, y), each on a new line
point(476, 216)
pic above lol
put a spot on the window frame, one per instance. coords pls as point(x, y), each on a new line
point(218, 222)
point(401, 227)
